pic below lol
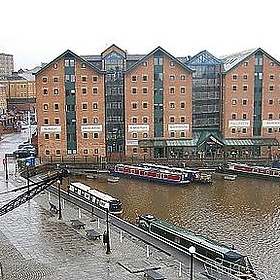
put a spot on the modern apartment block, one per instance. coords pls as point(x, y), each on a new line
point(6, 65)
point(156, 104)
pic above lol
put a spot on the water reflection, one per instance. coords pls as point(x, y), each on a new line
point(244, 212)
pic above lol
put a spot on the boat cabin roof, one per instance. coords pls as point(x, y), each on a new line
point(230, 252)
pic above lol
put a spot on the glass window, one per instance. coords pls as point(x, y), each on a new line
point(46, 136)
point(183, 90)
point(134, 78)
point(45, 107)
point(84, 78)
point(144, 78)
point(55, 91)
point(57, 136)
point(172, 105)
point(134, 120)
point(56, 106)
point(94, 90)
point(95, 135)
point(95, 106)
point(84, 106)
point(145, 90)
point(94, 79)
point(172, 90)
point(134, 105)
point(145, 105)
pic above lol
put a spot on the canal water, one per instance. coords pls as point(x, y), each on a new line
point(244, 213)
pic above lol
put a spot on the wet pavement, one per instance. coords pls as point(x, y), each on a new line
point(35, 244)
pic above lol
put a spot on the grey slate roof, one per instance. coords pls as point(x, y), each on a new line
point(233, 59)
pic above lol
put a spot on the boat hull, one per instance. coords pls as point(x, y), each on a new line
point(151, 179)
point(244, 170)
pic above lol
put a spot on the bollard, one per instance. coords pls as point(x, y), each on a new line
point(1, 271)
point(180, 269)
point(98, 223)
point(63, 203)
point(121, 236)
point(80, 213)
point(148, 252)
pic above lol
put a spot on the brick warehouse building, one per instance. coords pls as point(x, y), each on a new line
point(117, 103)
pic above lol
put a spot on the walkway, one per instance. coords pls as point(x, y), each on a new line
point(36, 245)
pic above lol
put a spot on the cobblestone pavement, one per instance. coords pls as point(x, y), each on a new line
point(35, 244)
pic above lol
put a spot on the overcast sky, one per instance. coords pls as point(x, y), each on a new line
point(37, 31)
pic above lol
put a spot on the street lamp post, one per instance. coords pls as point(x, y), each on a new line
point(192, 252)
point(59, 199)
point(5, 161)
point(108, 251)
point(27, 174)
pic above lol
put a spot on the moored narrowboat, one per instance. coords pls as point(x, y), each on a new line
point(156, 172)
point(208, 250)
point(258, 171)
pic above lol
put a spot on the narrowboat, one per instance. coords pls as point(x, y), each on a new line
point(258, 171)
point(156, 172)
point(95, 197)
point(208, 250)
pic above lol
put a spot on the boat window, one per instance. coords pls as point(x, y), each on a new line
point(177, 239)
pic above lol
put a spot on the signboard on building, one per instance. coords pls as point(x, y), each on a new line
point(131, 142)
point(178, 127)
point(271, 123)
point(239, 123)
point(138, 127)
point(50, 128)
point(91, 128)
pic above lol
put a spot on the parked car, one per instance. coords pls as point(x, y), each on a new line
point(29, 147)
point(23, 153)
